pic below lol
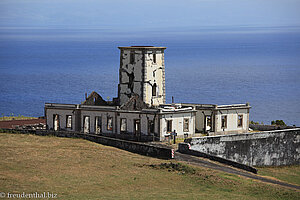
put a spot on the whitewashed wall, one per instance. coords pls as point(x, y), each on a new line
point(177, 123)
point(144, 122)
point(154, 74)
point(232, 121)
point(62, 118)
point(103, 114)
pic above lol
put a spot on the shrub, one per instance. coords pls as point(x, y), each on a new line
point(278, 123)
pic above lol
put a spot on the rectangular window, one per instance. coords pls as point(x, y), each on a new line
point(154, 58)
point(109, 123)
point(69, 121)
point(137, 127)
point(240, 120)
point(185, 125)
point(132, 58)
point(150, 126)
point(169, 126)
point(224, 121)
point(56, 126)
point(86, 124)
point(123, 125)
point(208, 123)
point(154, 88)
point(98, 124)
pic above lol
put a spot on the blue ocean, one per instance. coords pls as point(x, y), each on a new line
point(210, 66)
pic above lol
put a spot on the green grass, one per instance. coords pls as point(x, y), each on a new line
point(290, 174)
point(13, 117)
point(79, 169)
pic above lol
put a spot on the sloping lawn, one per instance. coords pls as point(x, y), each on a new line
point(79, 169)
point(290, 174)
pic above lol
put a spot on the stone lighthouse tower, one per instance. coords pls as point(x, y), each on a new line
point(142, 72)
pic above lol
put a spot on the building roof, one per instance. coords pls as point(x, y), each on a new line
point(94, 99)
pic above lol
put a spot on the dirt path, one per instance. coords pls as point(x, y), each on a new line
point(212, 165)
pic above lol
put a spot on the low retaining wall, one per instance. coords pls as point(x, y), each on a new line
point(262, 127)
point(270, 148)
point(135, 147)
point(184, 148)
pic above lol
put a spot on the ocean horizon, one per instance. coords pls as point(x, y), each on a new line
point(208, 66)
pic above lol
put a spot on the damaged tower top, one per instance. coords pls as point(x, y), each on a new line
point(142, 72)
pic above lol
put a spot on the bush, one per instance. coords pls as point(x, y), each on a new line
point(253, 122)
point(278, 123)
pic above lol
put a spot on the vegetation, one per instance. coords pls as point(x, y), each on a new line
point(257, 123)
point(290, 174)
point(14, 117)
point(278, 123)
point(79, 169)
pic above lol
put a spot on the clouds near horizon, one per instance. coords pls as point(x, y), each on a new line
point(148, 14)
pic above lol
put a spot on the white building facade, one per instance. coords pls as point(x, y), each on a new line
point(221, 119)
point(140, 110)
point(150, 124)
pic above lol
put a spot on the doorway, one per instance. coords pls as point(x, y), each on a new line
point(208, 123)
point(56, 122)
point(98, 124)
point(137, 127)
point(86, 124)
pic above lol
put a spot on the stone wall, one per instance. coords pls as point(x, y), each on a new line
point(262, 127)
point(270, 148)
point(184, 148)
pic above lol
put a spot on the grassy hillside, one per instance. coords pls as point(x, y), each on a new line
point(79, 169)
point(290, 174)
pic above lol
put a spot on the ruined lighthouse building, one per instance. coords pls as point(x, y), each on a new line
point(142, 72)
point(140, 111)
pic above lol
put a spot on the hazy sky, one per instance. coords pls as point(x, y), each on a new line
point(148, 14)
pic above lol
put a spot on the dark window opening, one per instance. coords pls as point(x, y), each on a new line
point(169, 126)
point(137, 127)
point(150, 126)
point(69, 121)
point(240, 120)
point(98, 124)
point(154, 58)
point(86, 124)
point(123, 125)
point(185, 125)
point(131, 81)
point(224, 121)
point(208, 123)
point(132, 58)
point(154, 87)
point(56, 125)
point(109, 123)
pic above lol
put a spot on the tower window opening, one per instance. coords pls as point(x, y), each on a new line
point(132, 58)
point(154, 58)
point(154, 87)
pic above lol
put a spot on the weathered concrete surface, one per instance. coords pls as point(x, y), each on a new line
point(270, 148)
point(183, 148)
